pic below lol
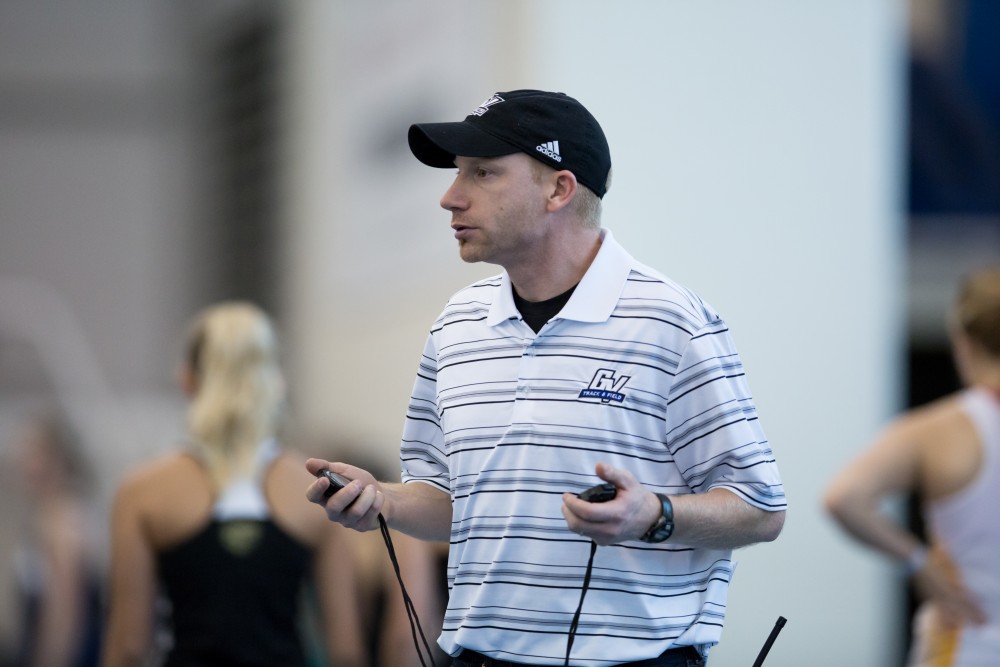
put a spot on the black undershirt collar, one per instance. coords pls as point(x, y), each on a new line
point(537, 313)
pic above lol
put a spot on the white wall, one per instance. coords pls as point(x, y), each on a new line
point(756, 149)
point(370, 260)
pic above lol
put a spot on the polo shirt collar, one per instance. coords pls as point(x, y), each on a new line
point(595, 296)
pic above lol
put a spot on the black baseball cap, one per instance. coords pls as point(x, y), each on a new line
point(551, 127)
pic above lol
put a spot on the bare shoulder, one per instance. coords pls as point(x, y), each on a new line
point(152, 478)
point(287, 478)
point(170, 497)
point(286, 484)
point(932, 412)
point(925, 424)
point(949, 448)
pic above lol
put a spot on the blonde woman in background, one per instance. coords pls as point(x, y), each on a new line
point(948, 453)
point(221, 524)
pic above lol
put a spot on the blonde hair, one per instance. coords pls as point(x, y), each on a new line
point(586, 205)
point(232, 353)
point(977, 309)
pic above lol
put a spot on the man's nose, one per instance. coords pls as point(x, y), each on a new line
point(452, 199)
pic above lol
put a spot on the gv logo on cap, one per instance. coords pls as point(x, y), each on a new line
point(485, 106)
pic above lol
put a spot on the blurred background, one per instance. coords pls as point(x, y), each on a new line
point(822, 173)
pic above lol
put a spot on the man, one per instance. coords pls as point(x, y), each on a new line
point(576, 364)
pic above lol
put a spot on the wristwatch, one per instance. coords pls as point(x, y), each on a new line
point(664, 525)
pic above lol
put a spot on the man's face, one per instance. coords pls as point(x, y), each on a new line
point(497, 208)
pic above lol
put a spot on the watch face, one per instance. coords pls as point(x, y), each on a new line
point(668, 530)
point(662, 532)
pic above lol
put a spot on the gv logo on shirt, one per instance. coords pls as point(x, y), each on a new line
point(606, 386)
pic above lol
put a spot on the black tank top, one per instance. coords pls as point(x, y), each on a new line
point(235, 591)
point(235, 586)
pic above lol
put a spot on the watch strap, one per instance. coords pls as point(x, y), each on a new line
point(663, 527)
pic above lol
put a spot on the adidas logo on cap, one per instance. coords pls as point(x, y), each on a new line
point(550, 148)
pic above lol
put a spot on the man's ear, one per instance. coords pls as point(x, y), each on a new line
point(564, 190)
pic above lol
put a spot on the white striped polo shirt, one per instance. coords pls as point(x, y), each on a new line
point(635, 371)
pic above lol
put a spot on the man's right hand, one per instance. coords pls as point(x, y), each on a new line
point(355, 506)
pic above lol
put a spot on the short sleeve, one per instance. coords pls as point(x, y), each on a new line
point(712, 427)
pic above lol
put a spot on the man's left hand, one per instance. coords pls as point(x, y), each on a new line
point(627, 517)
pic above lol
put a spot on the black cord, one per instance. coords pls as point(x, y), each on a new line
point(571, 635)
point(411, 611)
point(770, 640)
point(579, 608)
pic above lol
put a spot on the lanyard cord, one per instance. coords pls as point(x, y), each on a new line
point(571, 635)
point(770, 640)
point(411, 611)
point(586, 584)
